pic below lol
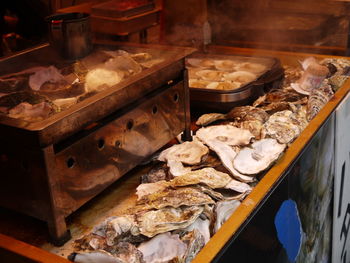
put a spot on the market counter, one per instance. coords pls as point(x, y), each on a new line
point(252, 226)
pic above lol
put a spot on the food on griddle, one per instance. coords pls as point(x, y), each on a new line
point(99, 79)
point(13, 84)
point(225, 65)
point(242, 77)
point(210, 75)
point(251, 67)
point(201, 63)
point(198, 83)
point(224, 85)
point(29, 112)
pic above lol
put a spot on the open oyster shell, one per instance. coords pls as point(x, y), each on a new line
point(187, 153)
point(211, 75)
point(165, 247)
point(227, 134)
point(223, 210)
point(242, 77)
point(167, 219)
point(252, 160)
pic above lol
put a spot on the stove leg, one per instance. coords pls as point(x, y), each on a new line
point(186, 135)
point(59, 234)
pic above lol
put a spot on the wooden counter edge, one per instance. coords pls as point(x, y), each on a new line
point(254, 199)
point(30, 252)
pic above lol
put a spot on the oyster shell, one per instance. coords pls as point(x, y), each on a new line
point(227, 134)
point(280, 126)
point(208, 118)
point(201, 225)
point(99, 79)
point(198, 83)
point(176, 168)
point(225, 65)
point(318, 98)
point(163, 248)
point(116, 228)
point(158, 173)
point(223, 210)
point(126, 252)
point(195, 242)
point(224, 85)
point(259, 157)
point(227, 155)
point(202, 63)
point(211, 75)
point(100, 256)
point(212, 178)
point(150, 188)
point(155, 222)
point(242, 77)
point(187, 153)
point(175, 198)
point(251, 67)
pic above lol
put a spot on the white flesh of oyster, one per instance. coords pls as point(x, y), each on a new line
point(225, 65)
point(258, 158)
point(208, 118)
point(227, 155)
point(227, 134)
point(223, 211)
point(188, 153)
point(163, 248)
point(155, 222)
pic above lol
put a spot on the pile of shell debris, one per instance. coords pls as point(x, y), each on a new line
point(196, 186)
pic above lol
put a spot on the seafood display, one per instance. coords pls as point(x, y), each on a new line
point(39, 92)
point(194, 187)
point(223, 74)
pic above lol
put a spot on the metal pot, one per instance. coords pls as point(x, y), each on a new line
point(70, 34)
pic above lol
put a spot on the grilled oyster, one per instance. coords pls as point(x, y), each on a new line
point(225, 65)
point(223, 210)
point(318, 98)
point(99, 79)
point(251, 67)
point(259, 157)
point(175, 198)
point(198, 83)
point(208, 118)
point(155, 222)
point(127, 252)
point(202, 63)
point(227, 134)
point(118, 227)
point(29, 112)
point(242, 77)
point(163, 248)
point(187, 153)
point(223, 85)
point(211, 75)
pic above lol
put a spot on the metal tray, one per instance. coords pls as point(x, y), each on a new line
point(224, 100)
point(81, 115)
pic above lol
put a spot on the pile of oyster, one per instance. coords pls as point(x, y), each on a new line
point(222, 74)
point(36, 93)
point(194, 187)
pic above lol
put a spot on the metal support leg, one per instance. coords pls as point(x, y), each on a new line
point(186, 135)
